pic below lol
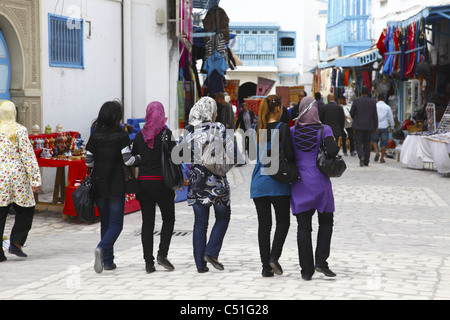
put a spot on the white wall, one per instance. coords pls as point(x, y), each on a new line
point(398, 10)
point(73, 97)
point(155, 61)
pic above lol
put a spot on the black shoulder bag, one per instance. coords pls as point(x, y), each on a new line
point(332, 167)
point(287, 170)
point(172, 173)
point(84, 200)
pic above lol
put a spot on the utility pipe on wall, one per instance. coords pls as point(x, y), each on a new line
point(127, 79)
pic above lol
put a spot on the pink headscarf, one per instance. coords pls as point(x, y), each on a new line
point(155, 121)
point(308, 117)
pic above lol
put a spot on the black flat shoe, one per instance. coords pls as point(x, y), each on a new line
point(276, 267)
point(111, 266)
point(306, 278)
point(150, 267)
point(203, 270)
point(165, 263)
point(266, 272)
point(13, 249)
point(326, 271)
point(2, 258)
point(216, 264)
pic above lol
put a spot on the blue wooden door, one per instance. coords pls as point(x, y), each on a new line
point(5, 69)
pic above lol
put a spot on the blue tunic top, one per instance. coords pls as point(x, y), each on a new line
point(262, 184)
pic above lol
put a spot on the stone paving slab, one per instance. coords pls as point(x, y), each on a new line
point(390, 242)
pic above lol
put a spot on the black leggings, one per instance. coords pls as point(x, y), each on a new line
point(263, 205)
point(22, 223)
point(304, 242)
point(155, 193)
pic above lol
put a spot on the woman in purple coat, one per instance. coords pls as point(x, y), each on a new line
point(314, 191)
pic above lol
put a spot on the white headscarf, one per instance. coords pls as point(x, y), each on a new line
point(204, 110)
point(8, 124)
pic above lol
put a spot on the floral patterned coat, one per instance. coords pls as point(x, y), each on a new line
point(19, 170)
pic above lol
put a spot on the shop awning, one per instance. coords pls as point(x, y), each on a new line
point(358, 59)
point(431, 15)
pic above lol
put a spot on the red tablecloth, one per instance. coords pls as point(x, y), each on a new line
point(76, 173)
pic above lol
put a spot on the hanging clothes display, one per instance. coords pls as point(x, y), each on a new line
point(217, 56)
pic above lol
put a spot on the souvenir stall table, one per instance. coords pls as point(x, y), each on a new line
point(63, 189)
point(420, 148)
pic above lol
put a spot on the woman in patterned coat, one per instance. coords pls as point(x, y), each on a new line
point(19, 178)
point(205, 189)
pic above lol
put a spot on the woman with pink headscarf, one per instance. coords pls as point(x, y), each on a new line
point(148, 144)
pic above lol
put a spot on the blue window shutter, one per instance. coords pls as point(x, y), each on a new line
point(65, 42)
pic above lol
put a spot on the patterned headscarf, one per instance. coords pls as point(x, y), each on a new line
point(8, 124)
point(155, 121)
point(204, 110)
point(308, 117)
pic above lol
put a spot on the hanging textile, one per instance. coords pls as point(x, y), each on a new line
point(411, 46)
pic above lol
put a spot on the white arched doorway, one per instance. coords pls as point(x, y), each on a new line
point(5, 69)
point(21, 39)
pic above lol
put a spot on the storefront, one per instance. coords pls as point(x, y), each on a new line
point(417, 67)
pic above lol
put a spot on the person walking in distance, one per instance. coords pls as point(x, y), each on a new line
point(266, 192)
point(313, 192)
point(385, 120)
point(365, 122)
point(333, 115)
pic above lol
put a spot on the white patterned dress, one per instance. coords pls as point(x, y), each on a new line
point(19, 170)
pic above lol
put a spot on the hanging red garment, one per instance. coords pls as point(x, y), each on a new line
point(380, 45)
point(366, 79)
point(396, 48)
point(347, 76)
point(412, 59)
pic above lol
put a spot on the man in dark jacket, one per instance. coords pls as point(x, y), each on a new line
point(365, 122)
point(333, 115)
point(295, 109)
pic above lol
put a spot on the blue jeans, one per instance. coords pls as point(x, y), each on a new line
point(213, 246)
point(381, 135)
point(111, 211)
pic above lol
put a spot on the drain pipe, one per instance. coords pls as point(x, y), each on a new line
point(127, 88)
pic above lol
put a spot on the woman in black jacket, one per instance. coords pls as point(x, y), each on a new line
point(108, 152)
point(148, 144)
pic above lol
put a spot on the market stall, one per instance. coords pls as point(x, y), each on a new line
point(61, 150)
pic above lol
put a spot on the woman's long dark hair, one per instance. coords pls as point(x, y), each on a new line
point(109, 116)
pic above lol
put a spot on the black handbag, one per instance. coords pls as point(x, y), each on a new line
point(287, 170)
point(129, 179)
point(84, 200)
point(172, 173)
point(332, 167)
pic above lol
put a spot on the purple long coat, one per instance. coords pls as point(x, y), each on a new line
point(313, 190)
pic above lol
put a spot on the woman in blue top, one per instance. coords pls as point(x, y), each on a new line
point(267, 192)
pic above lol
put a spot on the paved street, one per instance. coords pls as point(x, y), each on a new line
point(391, 241)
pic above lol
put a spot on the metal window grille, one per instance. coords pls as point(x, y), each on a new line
point(65, 42)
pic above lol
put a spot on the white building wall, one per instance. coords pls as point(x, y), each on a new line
point(397, 10)
point(72, 97)
point(155, 61)
point(300, 16)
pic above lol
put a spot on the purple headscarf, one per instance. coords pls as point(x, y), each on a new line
point(155, 121)
point(308, 117)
